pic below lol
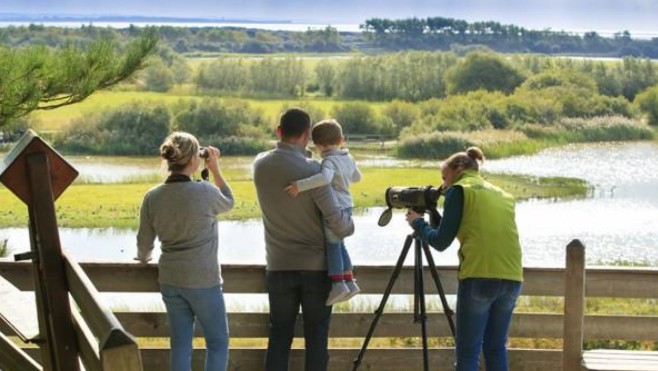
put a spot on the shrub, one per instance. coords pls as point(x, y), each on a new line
point(486, 71)
point(402, 114)
point(215, 117)
point(439, 145)
point(647, 103)
point(356, 118)
point(137, 129)
point(612, 128)
point(234, 146)
point(433, 146)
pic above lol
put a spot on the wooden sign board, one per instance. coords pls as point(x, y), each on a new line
point(13, 169)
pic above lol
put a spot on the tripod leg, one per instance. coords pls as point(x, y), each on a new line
point(435, 274)
point(380, 309)
point(420, 312)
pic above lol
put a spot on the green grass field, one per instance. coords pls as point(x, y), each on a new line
point(55, 120)
point(117, 205)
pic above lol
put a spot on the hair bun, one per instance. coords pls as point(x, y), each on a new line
point(475, 153)
point(170, 153)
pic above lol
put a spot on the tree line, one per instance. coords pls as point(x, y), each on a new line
point(189, 40)
point(439, 33)
point(415, 76)
point(431, 33)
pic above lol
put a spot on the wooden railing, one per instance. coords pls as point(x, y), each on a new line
point(247, 279)
point(37, 174)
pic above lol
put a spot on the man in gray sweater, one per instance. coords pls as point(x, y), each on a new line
point(294, 243)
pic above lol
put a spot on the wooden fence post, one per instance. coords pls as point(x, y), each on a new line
point(574, 306)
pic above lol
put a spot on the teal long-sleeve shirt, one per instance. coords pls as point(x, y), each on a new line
point(441, 237)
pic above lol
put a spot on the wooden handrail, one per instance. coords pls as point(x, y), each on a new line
point(555, 282)
point(118, 349)
point(250, 279)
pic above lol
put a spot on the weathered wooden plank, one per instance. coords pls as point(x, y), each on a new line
point(135, 277)
point(621, 327)
point(375, 359)
point(100, 319)
point(351, 325)
point(87, 343)
point(620, 360)
point(622, 282)
point(15, 358)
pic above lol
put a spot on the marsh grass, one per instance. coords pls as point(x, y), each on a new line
point(101, 205)
point(4, 247)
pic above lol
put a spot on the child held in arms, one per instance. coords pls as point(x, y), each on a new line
point(339, 170)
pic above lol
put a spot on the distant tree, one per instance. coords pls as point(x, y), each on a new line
point(483, 71)
point(647, 102)
point(39, 78)
point(402, 114)
point(325, 75)
point(157, 77)
point(356, 118)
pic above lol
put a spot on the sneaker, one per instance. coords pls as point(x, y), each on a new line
point(354, 289)
point(339, 290)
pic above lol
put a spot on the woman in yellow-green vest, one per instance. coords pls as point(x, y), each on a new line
point(481, 216)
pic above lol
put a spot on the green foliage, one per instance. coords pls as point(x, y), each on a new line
point(597, 129)
point(273, 77)
point(402, 114)
point(356, 118)
point(601, 129)
point(313, 110)
point(636, 75)
point(433, 146)
point(35, 77)
point(486, 71)
point(560, 78)
point(411, 76)
point(647, 103)
point(157, 77)
point(230, 125)
point(325, 76)
point(237, 146)
point(137, 129)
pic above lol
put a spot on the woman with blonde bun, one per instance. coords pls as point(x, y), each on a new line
point(182, 214)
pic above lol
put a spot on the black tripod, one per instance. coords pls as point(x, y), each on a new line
point(420, 315)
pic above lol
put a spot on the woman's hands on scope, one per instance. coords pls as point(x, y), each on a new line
point(411, 215)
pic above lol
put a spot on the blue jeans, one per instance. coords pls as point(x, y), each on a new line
point(338, 260)
point(287, 291)
point(207, 305)
point(484, 312)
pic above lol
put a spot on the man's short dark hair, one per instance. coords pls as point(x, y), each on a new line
point(294, 122)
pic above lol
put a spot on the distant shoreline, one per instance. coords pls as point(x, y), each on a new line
point(43, 18)
point(115, 21)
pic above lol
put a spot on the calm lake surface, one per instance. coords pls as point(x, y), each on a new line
point(618, 222)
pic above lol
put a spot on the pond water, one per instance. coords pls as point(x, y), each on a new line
point(617, 223)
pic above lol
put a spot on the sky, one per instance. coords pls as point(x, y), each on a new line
point(571, 15)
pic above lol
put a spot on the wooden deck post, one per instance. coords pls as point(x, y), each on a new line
point(38, 175)
point(574, 306)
